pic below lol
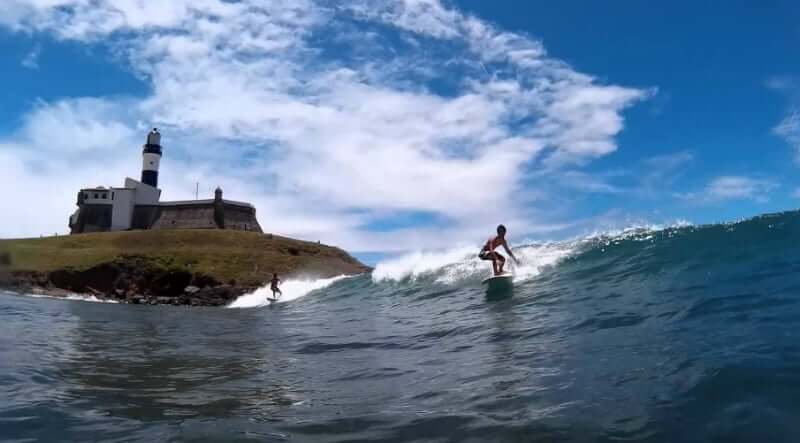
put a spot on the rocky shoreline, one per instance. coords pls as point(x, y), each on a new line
point(129, 279)
point(179, 267)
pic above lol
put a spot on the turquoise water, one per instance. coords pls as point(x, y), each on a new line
point(679, 334)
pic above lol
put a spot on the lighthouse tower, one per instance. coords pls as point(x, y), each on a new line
point(151, 157)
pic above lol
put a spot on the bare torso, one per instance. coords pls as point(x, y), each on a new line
point(493, 243)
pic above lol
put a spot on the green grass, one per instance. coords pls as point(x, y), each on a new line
point(246, 257)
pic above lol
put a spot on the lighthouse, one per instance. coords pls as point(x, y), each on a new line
point(151, 157)
point(138, 205)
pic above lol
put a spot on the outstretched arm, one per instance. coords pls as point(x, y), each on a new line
point(508, 250)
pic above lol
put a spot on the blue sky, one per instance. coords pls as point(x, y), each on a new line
point(389, 126)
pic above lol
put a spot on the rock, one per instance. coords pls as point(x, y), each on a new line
point(172, 283)
point(101, 278)
point(137, 299)
point(135, 280)
point(216, 296)
point(202, 281)
point(24, 280)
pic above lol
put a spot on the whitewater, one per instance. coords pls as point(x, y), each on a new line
point(656, 334)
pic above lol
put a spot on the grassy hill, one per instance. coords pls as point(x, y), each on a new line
point(248, 258)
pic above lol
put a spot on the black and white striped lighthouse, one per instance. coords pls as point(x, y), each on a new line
point(151, 157)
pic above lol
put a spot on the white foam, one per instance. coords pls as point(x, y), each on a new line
point(76, 297)
point(535, 258)
point(634, 232)
point(462, 263)
point(292, 290)
point(416, 264)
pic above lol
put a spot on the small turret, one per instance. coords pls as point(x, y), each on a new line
point(219, 209)
point(151, 158)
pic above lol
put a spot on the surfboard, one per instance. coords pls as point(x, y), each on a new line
point(504, 278)
point(272, 300)
point(499, 286)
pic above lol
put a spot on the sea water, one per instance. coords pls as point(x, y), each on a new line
point(687, 333)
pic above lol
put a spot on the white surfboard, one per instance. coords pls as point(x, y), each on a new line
point(499, 285)
point(504, 278)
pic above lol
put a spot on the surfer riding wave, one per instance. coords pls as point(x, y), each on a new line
point(488, 252)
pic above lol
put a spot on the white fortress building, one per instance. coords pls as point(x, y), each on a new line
point(137, 205)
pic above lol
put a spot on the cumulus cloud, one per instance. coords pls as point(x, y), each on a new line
point(315, 114)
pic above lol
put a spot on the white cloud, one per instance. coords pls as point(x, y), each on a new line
point(781, 83)
point(789, 129)
point(61, 148)
point(331, 138)
point(733, 188)
point(31, 60)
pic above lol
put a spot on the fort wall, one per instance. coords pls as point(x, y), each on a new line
point(207, 215)
point(186, 217)
point(241, 218)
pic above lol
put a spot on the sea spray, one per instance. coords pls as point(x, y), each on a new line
point(416, 264)
point(292, 290)
point(462, 264)
point(74, 297)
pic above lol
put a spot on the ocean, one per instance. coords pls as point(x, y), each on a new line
point(673, 334)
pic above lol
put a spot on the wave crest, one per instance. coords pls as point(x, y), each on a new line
point(462, 263)
point(292, 290)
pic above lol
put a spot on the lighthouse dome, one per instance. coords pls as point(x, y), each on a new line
point(154, 137)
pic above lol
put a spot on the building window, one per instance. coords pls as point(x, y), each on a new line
point(85, 195)
point(96, 195)
point(112, 195)
point(104, 196)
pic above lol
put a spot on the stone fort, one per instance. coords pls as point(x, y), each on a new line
point(137, 205)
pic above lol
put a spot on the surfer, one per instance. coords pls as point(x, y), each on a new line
point(274, 286)
point(488, 252)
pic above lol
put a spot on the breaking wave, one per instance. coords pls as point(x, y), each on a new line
point(292, 290)
point(462, 264)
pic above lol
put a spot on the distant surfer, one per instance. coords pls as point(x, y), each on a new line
point(489, 253)
point(276, 292)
